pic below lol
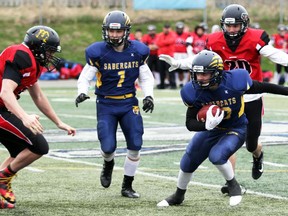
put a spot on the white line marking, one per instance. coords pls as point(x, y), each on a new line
point(34, 169)
point(165, 177)
point(275, 164)
point(171, 178)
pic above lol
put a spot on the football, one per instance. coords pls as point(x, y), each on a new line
point(201, 115)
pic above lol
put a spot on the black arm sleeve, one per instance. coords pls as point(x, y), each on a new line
point(11, 72)
point(191, 122)
point(261, 87)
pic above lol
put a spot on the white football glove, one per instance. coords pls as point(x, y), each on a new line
point(174, 64)
point(212, 121)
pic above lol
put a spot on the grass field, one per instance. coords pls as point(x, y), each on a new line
point(66, 182)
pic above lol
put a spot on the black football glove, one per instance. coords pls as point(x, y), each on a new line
point(82, 97)
point(148, 104)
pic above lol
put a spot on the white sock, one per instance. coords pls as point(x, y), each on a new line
point(226, 170)
point(130, 167)
point(183, 180)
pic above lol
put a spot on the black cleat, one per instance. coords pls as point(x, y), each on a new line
point(106, 174)
point(127, 190)
point(258, 168)
point(235, 192)
point(224, 189)
point(175, 199)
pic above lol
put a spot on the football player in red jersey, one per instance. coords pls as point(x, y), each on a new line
point(20, 132)
point(242, 47)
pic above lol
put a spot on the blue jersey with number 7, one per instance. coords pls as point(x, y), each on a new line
point(117, 71)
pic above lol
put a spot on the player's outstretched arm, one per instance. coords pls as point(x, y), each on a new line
point(43, 104)
point(265, 87)
point(184, 64)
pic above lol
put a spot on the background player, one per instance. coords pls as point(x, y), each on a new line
point(241, 47)
point(118, 62)
point(20, 132)
point(220, 135)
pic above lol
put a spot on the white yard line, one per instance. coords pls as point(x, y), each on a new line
point(275, 164)
point(172, 178)
point(163, 177)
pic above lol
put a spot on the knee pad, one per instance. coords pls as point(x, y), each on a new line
point(133, 155)
point(107, 156)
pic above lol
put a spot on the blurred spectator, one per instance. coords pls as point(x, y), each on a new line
point(166, 45)
point(137, 35)
point(180, 51)
point(150, 40)
point(278, 40)
point(196, 42)
point(215, 28)
point(255, 25)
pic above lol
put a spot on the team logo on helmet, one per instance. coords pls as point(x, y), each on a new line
point(217, 62)
point(244, 17)
point(42, 35)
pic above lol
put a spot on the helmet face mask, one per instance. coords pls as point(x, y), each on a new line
point(44, 42)
point(116, 20)
point(207, 62)
point(234, 14)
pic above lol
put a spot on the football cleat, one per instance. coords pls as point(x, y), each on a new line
point(106, 174)
point(6, 205)
point(234, 192)
point(170, 201)
point(5, 188)
point(175, 199)
point(129, 192)
point(224, 189)
point(258, 168)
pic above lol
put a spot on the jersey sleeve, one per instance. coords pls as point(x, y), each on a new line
point(241, 80)
point(187, 95)
point(143, 50)
point(20, 62)
point(263, 40)
point(92, 54)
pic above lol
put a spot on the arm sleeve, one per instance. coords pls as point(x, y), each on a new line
point(11, 72)
point(87, 74)
point(275, 55)
point(146, 80)
point(191, 122)
point(261, 87)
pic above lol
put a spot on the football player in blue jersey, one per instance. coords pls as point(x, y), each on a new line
point(117, 63)
point(221, 135)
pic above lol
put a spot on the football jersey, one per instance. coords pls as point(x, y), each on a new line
point(21, 58)
point(198, 42)
point(245, 56)
point(180, 42)
point(117, 71)
point(279, 41)
point(148, 40)
point(228, 96)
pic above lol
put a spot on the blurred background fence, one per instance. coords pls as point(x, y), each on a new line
point(264, 9)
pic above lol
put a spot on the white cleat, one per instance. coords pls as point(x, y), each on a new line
point(163, 203)
point(235, 200)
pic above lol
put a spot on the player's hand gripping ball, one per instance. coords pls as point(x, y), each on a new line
point(202, 113)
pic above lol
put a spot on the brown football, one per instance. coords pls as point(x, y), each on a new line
point(201, 115)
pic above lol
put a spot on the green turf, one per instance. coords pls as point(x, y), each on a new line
point(71, 187)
